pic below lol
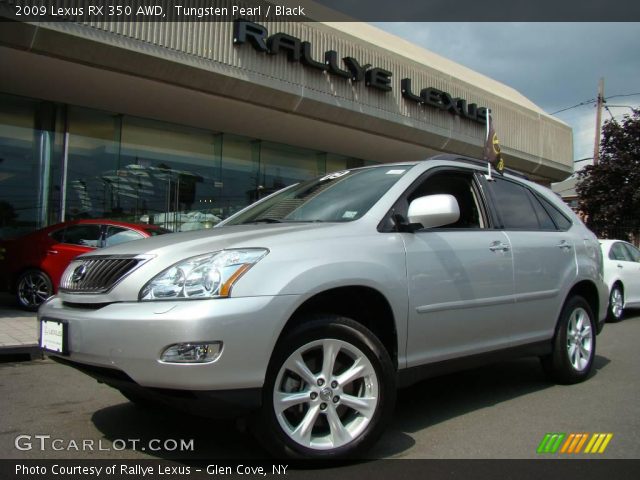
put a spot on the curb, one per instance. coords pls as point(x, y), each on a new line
point(32, 349)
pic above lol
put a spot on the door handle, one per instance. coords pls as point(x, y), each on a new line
point(499, 247)
point(52, 252)
point(564, 244)
point(620, 266)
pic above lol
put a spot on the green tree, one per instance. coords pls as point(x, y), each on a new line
point(609, 192)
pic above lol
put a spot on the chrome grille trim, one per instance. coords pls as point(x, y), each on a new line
point(103, 272)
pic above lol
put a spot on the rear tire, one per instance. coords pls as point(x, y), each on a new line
point(574, 345)
point(329, 391)
point(616, 304)
point(32, 289)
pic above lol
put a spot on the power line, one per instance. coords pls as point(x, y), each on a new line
point(586, 102)
point(593, 100)
point(623, 95)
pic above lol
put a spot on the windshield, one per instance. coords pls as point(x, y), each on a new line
point(338, 197)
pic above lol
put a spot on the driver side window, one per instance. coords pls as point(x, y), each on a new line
point(463, 188)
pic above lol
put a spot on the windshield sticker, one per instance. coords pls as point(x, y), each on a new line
point(333, 176)
point(349, 214)
point(395, 172)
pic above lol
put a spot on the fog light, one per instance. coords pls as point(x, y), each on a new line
point(192, 352)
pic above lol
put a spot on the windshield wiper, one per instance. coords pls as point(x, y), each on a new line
point(264, 220)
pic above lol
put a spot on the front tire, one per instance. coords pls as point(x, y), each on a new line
point(574, 345)
point(329, 392)
point(32, 289)
point(616, 304)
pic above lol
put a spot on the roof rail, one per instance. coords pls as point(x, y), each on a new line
point(475, 161)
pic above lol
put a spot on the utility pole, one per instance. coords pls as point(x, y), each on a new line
point(600, 103)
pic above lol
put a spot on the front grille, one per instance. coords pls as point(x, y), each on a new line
point(97, 274)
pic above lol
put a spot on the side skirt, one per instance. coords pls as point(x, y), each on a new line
point(409, 376)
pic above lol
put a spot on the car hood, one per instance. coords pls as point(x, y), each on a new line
point(186, 244)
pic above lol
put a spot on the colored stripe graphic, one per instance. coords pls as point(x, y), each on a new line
point(550, 443)
point(598, 443)
point(574, 443)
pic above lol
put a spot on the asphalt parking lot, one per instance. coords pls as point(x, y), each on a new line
point(502, 411)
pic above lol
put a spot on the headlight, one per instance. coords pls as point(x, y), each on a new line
point(204, 276)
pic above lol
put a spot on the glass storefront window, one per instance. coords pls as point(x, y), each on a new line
point(28, 165)
point(93, 162)
point(283, 165)
point(168, 175)
point(240, 174)
point(135, 170)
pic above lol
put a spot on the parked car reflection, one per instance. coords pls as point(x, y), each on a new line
point(31, 266)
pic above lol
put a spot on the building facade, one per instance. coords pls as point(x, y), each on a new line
point(182, 124)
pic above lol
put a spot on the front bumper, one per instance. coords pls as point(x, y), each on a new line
point(206, 403)
point(130, 336)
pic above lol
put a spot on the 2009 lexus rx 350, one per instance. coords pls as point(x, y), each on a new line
point(310, 307)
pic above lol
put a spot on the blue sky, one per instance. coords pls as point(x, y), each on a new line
point(556, 65)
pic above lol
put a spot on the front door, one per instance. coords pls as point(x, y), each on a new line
point(460, 277)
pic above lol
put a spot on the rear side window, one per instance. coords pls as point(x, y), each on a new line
point(84, 235)
point(152, 232)
point(633, 252)
point(116, 235)
point(514, 205)
point(618, 252)
point(58, 235)
point(544, 219)
point(562, 222)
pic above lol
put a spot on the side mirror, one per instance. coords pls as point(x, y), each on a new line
point(434, 210)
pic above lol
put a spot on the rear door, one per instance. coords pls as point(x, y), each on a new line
point(460, 277)
point(543, 258)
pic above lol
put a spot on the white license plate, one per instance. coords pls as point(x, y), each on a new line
point(53, 336)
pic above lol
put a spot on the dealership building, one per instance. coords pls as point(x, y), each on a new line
point(184, 123)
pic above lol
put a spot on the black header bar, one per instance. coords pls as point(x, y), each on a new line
point(322, 10)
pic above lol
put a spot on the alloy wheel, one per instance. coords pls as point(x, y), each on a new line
point(33, 289)
point(325, 394)
point(617, 303)
point(579, 339)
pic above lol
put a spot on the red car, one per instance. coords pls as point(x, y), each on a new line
point(31, 266)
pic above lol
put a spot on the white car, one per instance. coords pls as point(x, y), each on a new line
point(622, 276)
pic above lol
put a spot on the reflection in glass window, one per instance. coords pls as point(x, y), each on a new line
point(282, 165)
point(168, 174)
point(28, 166)
point(85, 235)
point(135, 170)
point(92, 169)
point(116, 235)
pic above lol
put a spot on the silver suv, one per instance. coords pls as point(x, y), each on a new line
point(310, 307)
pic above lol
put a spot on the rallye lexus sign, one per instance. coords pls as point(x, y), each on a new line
point(349, 68)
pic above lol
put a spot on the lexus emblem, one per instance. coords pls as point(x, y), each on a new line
point(79, 273)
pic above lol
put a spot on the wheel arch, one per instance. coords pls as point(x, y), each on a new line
point(365, 305)
point(589, 291)
point(617, 282)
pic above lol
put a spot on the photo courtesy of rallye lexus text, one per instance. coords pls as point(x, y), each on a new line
point(308, 309)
